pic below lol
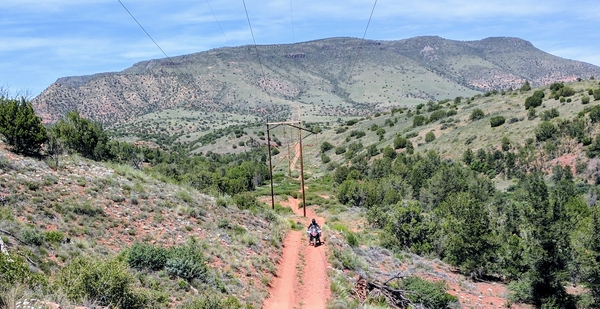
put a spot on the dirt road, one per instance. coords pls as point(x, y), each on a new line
point(301, 280)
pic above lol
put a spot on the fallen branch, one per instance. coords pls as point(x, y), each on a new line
point(394, 297)
point(13, 236)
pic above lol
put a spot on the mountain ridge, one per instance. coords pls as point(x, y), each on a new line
point(327, 77)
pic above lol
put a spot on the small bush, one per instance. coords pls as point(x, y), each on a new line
point(346, 258)
point(32, 237)
point(477, 114)
point(545, 131)
point(147, 256)
point(351, 122)
point(106, 283)
point(88, 209)
point(187, 262)
point(245, 200)
point(54, 237)
point(212, 301)
point(437, 115)
point(418, 120)
point(14, 270)
point(429, 294)
point(429, 137)
point(351, 238)
point(326, 146)
point(497, 121)
point(595, 114)
point(340, 130)
point(221, 202)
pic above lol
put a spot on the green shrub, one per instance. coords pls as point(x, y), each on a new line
point(20, 127)
point(14, 270)
point(351, 238)
point(418, 120)
point(595, 114)
point(429, 137)
point(245, 200)
point(82, 135)
point(429, 294)
point(32, 237)
point(545, 131)
point(357, 134)
point(340, 150)
point(106, 283)
point(477, 114)
point(187, 262)
point(525, 87)
point(351, 122)
point(340, 130)
point(88, 209)
point(550, 114)
point(497, 121)
point(211, 301)
point(54, 236)
point(147, 256)
point(326, 146)
point(596, 94)
point(346, 258)
point(400, 142)
point(437, 115)
point(221, 202)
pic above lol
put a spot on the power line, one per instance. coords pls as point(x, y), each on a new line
point(188, 76)
point(292, 14)
point(360, 46)
point(257, 54)
point(215, 16)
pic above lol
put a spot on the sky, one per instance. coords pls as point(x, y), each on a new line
point(43, 40)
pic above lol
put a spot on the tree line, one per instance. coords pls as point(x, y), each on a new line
point(230, 174)
point(538, 235)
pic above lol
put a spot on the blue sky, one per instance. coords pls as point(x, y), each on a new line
point(42, 40)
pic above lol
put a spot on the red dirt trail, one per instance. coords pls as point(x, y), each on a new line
point(301, 280)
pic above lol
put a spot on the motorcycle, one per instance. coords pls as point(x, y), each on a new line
point(314, 236)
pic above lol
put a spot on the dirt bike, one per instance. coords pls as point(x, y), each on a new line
point(314, 236)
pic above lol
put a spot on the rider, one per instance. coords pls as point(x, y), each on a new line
point(314, 223)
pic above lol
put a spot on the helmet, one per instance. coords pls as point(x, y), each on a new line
point(314, 221)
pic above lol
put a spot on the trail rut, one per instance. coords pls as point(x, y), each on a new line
point(301, 281)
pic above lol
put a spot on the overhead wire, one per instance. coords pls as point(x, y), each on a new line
point(360, 47)
point(292, 15)
point(218, 23)
point(257, 54)
point(148, 34)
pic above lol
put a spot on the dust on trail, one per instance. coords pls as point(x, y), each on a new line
point(301, 280)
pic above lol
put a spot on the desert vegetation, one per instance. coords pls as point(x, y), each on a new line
point(441, 196)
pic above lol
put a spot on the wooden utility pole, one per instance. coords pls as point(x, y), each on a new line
point(270, 166)
point(297, 125)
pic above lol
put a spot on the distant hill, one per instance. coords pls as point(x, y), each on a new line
point(322, 78)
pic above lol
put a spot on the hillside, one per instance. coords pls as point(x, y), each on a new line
point(474, 201)
point(454, 130)
point(322, 79)
point(95, 211)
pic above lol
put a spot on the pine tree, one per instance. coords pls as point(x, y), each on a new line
point(467, 240)
point(21, 128)
point(547, 246)
point(591, 259)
